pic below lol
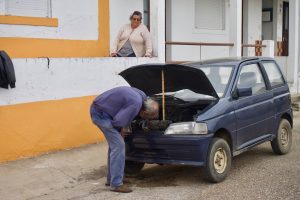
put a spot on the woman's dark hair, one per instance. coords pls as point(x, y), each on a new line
point(138, 13)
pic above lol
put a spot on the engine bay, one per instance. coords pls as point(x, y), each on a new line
point(176, 110)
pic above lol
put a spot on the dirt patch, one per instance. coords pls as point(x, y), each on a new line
point(97, 190)
point(158, 176)
point(95, 174)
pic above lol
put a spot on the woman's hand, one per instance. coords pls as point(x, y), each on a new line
point(113, 54)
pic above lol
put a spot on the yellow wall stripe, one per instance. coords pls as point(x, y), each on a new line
point(35, 128)
point(58, 48)
point(33, 21)
point(31, 48)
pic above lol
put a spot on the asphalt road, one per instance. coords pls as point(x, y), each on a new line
point(256, 174)
point(79, 174)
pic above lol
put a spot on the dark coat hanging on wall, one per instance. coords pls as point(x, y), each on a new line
point(7, 72)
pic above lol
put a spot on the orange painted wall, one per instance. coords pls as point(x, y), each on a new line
point(34, 21)
point(34, 128)
point(31, 129)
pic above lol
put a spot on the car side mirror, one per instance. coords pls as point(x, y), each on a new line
point(241, 92)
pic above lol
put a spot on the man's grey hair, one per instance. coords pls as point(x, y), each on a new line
point(151, 106)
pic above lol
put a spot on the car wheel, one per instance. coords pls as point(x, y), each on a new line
point(283, 141)
point(133, 167)
point(218, 160)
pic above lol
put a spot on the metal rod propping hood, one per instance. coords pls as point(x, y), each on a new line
point(163, 93)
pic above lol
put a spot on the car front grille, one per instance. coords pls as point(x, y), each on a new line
point(150, 153)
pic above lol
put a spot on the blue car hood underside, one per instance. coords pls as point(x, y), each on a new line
point(148, 78)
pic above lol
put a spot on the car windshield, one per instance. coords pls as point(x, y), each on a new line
point(219, 77)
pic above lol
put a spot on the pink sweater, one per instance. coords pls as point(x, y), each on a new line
point(139, 38)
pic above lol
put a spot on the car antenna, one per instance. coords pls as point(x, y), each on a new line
point(163, 93)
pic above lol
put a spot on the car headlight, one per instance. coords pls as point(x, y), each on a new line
point(187, 128)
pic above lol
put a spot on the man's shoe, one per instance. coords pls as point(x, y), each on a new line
point(121, 189)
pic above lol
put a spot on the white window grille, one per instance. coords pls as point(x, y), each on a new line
point(30, 8)
point(210, 14)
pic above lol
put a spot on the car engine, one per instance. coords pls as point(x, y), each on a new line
point(176, 110)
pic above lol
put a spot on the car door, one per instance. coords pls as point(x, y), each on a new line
point(253, 113)
point(280, 90)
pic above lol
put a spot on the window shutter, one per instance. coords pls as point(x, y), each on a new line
point(32, 8)
point(210, 14)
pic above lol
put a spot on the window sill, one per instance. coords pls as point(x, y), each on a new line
point(32, 21)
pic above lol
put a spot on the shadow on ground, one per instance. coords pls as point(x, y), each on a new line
point(174, 175)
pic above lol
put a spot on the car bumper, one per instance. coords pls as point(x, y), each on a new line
point(168, 149)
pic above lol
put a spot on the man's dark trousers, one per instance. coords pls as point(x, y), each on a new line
point(116, 151)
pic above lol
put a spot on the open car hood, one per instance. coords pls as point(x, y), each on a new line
point(148, 78)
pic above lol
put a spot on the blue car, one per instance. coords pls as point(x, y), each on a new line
point(210, 111)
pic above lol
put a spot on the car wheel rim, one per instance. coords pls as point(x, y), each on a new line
point(220, 160)
point(284, 137)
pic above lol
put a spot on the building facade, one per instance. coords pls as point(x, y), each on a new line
point(242, 23)
point(60, 50)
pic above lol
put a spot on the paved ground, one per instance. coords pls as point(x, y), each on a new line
point(79, 174)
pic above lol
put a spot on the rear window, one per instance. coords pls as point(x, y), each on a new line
point(273, 73)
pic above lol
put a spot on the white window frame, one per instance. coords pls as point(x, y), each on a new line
point(48, 15)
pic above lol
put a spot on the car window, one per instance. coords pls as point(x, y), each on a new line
point(273, 73)
point(251, 77)
point(218, 76)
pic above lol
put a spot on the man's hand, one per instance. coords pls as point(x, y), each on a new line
point(124, 132)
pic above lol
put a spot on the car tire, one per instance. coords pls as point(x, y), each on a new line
point(282, 143)
point(218, 161)
point(133, 167)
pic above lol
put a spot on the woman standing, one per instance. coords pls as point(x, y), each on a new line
point(133, 40)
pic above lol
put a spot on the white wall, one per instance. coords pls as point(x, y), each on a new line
point(2, 7)
point(65, 78)
point(297, 85)
point(252, 23)
point(157, 28)
point(77, 19)
point(181, 27)
point(293, 61)
point(277, 24)
point(77, 77)
point(235, 27)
